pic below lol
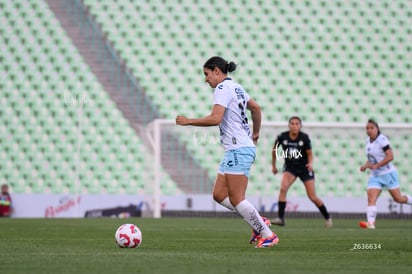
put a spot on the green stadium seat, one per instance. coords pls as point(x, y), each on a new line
point(44, 132)
point(315, 63)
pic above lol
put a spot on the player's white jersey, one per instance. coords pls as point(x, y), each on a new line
point(234, 127)
point(375, 153)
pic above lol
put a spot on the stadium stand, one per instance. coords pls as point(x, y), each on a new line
point(340, 61)
point(61, 133)
point(334, 57)
point(326, 61)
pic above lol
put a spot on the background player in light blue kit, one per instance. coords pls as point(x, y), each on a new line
point(230, 105)
point(383, 173)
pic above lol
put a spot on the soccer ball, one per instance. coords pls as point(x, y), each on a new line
point(128, 236)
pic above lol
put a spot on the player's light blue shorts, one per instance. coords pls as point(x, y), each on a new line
point(389, 180)
point(238, 161)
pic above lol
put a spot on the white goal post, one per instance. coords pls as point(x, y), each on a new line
point(191, 154)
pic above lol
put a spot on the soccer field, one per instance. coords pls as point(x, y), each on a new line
point(202, 245)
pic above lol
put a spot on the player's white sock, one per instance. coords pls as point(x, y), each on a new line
point(371, 213)
point(253, 218)
point(409, 199)
point(226, 203)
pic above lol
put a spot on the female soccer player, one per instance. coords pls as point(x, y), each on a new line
point(297, 154)
point(383, 173)
point(230, 104)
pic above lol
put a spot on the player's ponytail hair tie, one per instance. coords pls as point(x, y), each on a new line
point(230, 66)
point(375, 124)
point(220, 63)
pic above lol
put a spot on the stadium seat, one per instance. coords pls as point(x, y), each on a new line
point(43, 124)
point(326, 61)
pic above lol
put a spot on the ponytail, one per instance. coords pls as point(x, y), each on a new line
point(222, 64)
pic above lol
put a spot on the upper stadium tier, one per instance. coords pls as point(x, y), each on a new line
point(328, 61)
point(61, 133)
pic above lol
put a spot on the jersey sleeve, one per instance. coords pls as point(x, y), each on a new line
point(307, 142)
point(278, 140)
point(384, 143)
point(247, 97)
point(221, 96)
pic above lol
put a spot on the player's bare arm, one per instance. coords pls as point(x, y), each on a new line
point(213, 119)
point(386, 160)
point(365, 166)
point(274, 169)
point(309, 165)
point(256, 118)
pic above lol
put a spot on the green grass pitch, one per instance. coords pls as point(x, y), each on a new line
point(202, 245)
